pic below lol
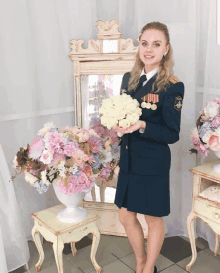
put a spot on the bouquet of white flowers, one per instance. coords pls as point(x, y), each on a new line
point(120, 110)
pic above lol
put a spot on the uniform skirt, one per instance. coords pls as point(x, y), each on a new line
point(144, 194)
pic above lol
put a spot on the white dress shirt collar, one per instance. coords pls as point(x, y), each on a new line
point(149, 75)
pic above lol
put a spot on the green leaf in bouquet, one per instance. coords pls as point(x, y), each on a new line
point(193, 151)
point(57, 179)
point(86, 148)
point(52, 175)
point(74, 137)
point(22, 156)
point(70, 163)
point(199, 122)
point(23, 168)
point(58, 162)
point(66, 134)
point(96, 171)
point(110, 176)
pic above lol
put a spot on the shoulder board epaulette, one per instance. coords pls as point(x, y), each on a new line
point(173, 79)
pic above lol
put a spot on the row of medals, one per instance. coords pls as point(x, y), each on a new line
point(148, 105)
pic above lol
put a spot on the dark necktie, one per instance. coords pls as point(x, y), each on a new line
point(142, 79)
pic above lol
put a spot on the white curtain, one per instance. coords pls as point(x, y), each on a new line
point(36, 84)
point(14, 250)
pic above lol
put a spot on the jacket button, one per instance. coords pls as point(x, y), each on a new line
point(126, 147)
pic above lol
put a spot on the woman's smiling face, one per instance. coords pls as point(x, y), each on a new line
point(152, 47)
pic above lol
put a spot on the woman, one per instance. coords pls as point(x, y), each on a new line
point(143, 181)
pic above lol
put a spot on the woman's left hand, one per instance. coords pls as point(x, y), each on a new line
point(139, 124)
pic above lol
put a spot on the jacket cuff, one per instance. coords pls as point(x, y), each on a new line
point(119, 134)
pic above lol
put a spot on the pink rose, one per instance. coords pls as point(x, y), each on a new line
point(79, 158)
point(88, 171)
point(213, 142)
point(83, 136)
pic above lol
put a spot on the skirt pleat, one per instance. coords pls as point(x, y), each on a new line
point(144, 194)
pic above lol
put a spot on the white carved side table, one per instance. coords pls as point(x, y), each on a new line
point(207, 210)
point(59, 233)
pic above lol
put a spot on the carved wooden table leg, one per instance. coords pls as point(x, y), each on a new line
point(95, 242)
point(103, 186)
point(58, 247)
point(93, 194)
point(216, 244)
point(36, 237)
point(73, 248)
point(190, 226)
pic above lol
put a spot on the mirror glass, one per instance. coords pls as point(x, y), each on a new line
point(94, 89)
point(110, 46)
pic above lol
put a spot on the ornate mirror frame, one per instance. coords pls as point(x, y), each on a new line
point(94, 60)
point(109, 55)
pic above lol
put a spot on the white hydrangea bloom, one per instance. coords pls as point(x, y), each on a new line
point(211, 110)
point(44, 178)
point(30, 178)
point(207, 136)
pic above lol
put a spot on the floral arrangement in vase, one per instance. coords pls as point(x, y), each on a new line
point(65, 156)
point(206, 134)
point(122, 110)
point(106, 161)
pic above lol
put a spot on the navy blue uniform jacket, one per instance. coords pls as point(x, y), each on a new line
point(148, 153)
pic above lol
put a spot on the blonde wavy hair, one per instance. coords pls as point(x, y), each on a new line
point(165, 68)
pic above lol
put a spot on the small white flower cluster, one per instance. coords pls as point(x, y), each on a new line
point(211, 109)
point(46, 128)
point(61, 169)
point(120, 110)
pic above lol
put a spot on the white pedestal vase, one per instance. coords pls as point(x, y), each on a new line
point(72, 213)
point(216, 167)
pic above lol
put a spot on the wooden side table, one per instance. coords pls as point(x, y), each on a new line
point(59, 233)
point(207, 210)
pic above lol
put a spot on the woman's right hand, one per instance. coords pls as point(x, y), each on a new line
point(120, 129)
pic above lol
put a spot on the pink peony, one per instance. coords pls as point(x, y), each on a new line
point(106, 132)
point(216, 121)
point(195, 140)
point(79, 158)
point(56, 158)
point(88, 171)
point(105, 172)
point(91, 159)
point(83, 135)
point(69, 149)
point(95, 144)
point(99, 129)
point(198, 144)
point(202, 149)
point(217, 100)
point(214, 142)
point(76, 184)
point(36, 148)
point(114, 136)
point(54, 141)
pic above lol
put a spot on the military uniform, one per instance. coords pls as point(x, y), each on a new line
point(145, 158)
